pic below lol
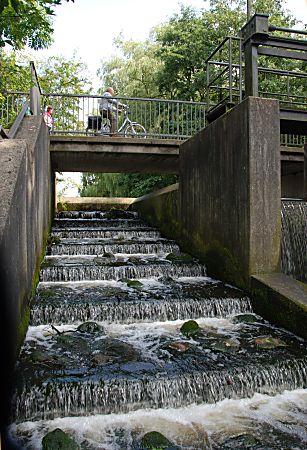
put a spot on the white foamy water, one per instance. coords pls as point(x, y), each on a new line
point(196, 427)
point(135, 331)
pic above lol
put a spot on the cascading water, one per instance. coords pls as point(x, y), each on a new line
point(294, 232)
point(111, 352)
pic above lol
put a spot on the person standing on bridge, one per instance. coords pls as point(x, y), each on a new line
point(48, 117)
point(108, 108)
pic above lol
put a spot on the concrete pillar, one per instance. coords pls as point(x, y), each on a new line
point(230, 192)
point(258, 25)
point(305, 172)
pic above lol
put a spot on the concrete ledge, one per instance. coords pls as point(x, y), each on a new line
point(93, 203)
point(282, 300)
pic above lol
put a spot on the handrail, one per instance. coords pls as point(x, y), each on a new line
point(286, 30)
point(35, 91)
point(34, 76)
point(283, 72)
point(235, 38)
point(162, 100)
point(17, 122)
point(255, 35)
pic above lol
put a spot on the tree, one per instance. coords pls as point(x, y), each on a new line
point(189, 37)
point(14, 72)
point(122, 184)
point(27, 23)
point(64, 75)
point(134, 72)
point(61, 75)
point(56, 74)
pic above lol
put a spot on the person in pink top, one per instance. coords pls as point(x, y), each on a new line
point(48, 117)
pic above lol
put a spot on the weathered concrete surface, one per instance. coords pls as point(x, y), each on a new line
point(292, 172)
point(282, 300)
point(93, 203)
point(275, 296)
point(161, 209)
point(305, 172)
point(116, 154)
point(230, 192)
point(25, 212)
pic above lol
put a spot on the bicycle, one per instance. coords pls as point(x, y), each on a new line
point(128, 127)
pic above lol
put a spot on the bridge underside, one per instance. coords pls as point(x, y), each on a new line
point(116, 154)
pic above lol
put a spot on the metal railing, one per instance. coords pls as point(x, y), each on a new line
point(232, 74)
point(10, 105)
point(225, 79)
point(73, 114)
point(163, 119)
point(224, 73)
point(287, 56)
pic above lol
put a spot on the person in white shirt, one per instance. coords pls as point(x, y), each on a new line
point(109, 108)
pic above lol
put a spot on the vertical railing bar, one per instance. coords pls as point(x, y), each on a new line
point(150, 118)
point(208, 84)
point(230, 68)
point(240, 70)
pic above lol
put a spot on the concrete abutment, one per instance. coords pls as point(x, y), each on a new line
point(25, 218)
point(226, 209)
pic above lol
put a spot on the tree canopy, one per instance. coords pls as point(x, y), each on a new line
point(134, 72)
point(27, 23)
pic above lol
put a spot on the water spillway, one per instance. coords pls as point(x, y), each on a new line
point(294, 232)
point(111, 335)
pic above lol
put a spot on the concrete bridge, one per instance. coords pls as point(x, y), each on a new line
point(156, 156)
point(114, 154)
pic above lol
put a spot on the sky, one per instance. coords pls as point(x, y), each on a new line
point(89, 27)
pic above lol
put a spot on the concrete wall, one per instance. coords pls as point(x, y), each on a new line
point(25, 213)
point(292, 185)
point(93, 203)
point(161, 209)
point(230, 192)
point(226, 209)
point(305, 172)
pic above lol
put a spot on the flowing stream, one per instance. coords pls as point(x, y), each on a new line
point(109, 355)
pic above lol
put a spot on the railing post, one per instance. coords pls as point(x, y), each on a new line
point(35, 92)
point(257, 25)
point(230, 68)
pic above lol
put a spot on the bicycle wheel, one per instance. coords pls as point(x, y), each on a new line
point(135, 130)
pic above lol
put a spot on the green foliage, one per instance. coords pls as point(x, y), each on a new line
point(170, 64)
point(134, 72)
point(14, 76)
point(64, 75)
point(27, 23)
point(56, 74)
point(183, 44)
point(123, 185)
point(189, 38)
point(14, 72)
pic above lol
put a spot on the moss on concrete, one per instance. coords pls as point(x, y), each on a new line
point(63, 206)
point(24, 320)
point(22, 327)
point(279, 308)
point(222, 264)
